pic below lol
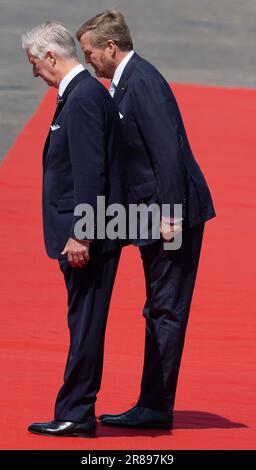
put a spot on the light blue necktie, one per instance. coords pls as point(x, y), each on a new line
point(112, 89)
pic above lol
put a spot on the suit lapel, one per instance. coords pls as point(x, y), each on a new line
point(80, 76)
point(123, 82)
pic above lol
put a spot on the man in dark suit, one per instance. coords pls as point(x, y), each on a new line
point(81, 161)
point(160, 168)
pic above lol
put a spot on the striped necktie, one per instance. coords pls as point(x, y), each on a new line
point(59, 99)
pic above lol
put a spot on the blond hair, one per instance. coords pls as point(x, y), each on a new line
point(109, 25)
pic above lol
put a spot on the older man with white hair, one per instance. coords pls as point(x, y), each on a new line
point(81, 160)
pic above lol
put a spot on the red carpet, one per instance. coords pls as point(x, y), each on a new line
point(215, 407)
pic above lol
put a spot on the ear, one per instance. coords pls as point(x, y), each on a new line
point(112, 47)
point(51, 57)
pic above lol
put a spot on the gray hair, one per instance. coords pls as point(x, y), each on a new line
point(51, 36)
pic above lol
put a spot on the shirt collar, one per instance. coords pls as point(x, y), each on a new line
point(67, 79)
point(119, 70)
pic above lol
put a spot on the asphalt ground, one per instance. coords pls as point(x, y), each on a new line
point(208, 42)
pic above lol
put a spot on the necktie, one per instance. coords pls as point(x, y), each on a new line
point(59, 99)
point(112, 89)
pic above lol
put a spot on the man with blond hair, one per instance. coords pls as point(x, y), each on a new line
point(81, 161)
point(160, 169)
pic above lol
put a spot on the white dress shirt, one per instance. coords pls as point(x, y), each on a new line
point(118, 73)
point(67, 79)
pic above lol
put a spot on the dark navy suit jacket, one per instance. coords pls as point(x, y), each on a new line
point(159, 164)
point(81, 160)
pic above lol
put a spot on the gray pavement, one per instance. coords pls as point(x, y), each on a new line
point(192, 41)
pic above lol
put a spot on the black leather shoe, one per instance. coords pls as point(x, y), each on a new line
point(65, 428)
point(140, 417)
point(108, 415)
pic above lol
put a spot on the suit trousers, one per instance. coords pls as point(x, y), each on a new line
point(170, 278)
point(89, 293)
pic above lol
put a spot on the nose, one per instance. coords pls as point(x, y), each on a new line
point(87, 59)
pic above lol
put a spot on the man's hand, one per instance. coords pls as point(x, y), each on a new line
point(77, 252)
point(168, 229)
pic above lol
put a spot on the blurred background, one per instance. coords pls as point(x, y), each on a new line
point(208, 42)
